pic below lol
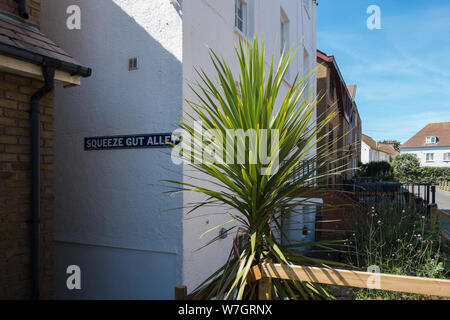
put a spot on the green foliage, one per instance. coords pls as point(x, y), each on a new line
point(432, 175)
point(407, 170)
point(399, 239)
point(255, 202)
point(381, 170)
point(406, 166)
point(395, 142)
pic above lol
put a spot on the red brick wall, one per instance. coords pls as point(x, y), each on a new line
point(337, 216)
point(15, 94)
point(33, 9)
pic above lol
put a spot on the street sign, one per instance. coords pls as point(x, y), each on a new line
point(140, 141)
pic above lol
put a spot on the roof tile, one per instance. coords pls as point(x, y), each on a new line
point(440, 130)
point(24, 36)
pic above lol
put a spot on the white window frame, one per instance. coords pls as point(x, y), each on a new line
point(429, 157)
point(431, 140)
point(284, 37)
point(247, 19)
point(284, 31)
point(446, 156)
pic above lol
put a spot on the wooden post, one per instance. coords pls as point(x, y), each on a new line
point(265, 289)
point(180, 293)
point(434, 215)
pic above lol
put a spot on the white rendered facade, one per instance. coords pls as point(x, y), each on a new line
point(438, 156)
point(111, 215)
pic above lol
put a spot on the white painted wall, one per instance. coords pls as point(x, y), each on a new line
point(111, 218)
point(421, 154)
point(365, 153)
point(371, 155)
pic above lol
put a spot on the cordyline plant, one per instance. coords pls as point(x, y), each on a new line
point(259, 195)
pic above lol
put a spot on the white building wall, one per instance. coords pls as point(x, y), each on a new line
point(422, 152)
point(111, 216)
point(371, 155)
point(210, 23)
point(365, 153)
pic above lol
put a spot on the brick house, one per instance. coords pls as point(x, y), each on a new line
point(343, 133)
point(30, 66)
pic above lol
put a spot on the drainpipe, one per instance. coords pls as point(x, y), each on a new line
point(35, 142)
point(22, 8)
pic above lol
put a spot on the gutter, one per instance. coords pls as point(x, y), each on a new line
point(71, 68)
point(48, 71)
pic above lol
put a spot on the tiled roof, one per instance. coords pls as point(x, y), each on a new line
point(345, 100)
point(383, 147)
point(387, 148)
point(369, 141)
point(440, 130)
point(23, 36)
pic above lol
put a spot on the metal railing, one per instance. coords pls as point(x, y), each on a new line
point(366, 191)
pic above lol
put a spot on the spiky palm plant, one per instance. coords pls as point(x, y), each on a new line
point(259, 194)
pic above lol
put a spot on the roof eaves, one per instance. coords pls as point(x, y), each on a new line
point(41, 59)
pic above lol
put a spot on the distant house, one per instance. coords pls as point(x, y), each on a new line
point(431, 145)
point(372, 151)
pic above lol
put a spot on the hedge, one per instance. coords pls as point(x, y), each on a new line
point(428, 175)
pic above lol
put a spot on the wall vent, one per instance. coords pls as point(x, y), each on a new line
point(133, 64)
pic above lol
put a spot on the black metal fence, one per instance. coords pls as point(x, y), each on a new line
point(367, 191)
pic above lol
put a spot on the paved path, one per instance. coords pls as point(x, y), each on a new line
point(443, 202)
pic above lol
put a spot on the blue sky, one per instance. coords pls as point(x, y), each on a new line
point(402, 71)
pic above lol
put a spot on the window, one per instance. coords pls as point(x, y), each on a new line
point(331, 87)
point(430, 157)
point(447, 156)
point(284, 35)
point(284, 31)
point(431, 139)
point(330, 138)
point(240, 19)
point(243, 17)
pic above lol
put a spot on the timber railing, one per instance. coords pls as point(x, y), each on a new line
point(265, 272)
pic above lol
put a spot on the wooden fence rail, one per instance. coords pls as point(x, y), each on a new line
point(265, 272)
point(389, 282)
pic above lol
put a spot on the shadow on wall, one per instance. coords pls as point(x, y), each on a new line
point(109, 219)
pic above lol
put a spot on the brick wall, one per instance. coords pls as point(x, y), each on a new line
point(33, 9)
point(15, 232)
